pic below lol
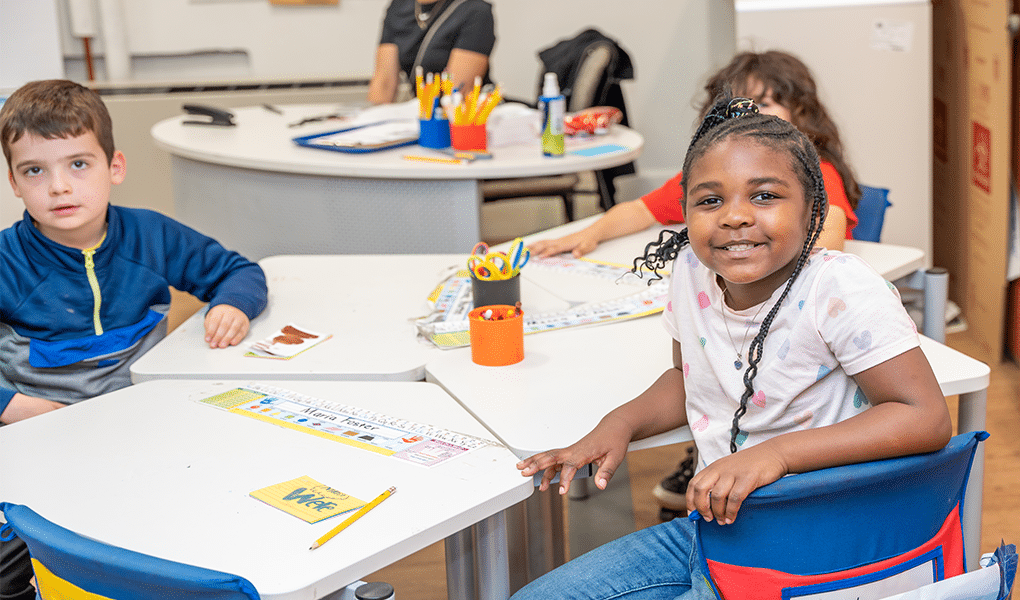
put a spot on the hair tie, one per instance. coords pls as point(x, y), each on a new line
point(740, 107)
point(721, 111)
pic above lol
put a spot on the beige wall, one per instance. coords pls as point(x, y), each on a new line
point(879, 95)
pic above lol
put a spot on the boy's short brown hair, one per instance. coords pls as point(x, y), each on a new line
point(55, 108)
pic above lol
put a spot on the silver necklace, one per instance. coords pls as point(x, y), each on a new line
point(739, 363)
point(424, 19)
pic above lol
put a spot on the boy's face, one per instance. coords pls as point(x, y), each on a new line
point(65, 185)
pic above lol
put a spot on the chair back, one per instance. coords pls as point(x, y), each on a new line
point(68, 565)
point(590, 67)
point(870, 213)
point(861, 531)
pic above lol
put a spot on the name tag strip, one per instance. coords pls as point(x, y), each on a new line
point(359, 427)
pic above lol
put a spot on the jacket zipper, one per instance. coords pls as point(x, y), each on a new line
point(97, 296)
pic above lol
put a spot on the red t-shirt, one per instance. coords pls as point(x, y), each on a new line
point(666, 206)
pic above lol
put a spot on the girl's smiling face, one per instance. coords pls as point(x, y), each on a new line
point(747, 217)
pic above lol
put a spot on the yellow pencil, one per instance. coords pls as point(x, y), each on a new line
point(490, 103)
point(361, 512)
point(435, 159)
point(472, 100)
point(419, 89)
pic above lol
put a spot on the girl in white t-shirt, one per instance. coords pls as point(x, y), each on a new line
point(785, 359)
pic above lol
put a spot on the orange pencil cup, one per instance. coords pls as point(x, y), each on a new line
point(496, 341)
point(468, 137)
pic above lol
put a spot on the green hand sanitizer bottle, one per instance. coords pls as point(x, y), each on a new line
point(553, 106)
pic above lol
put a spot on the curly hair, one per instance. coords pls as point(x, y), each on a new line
point(789, 82)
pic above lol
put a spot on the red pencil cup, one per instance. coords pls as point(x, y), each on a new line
point(468, 137)
point(496, 341)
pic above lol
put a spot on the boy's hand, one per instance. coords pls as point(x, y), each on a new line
point(605, 446)
point(718, 490)
point(225, 326)
point(22, 407)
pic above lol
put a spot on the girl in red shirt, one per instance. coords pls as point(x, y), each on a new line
point(781, 85)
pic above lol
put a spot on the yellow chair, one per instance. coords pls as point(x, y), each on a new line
point(71, 566)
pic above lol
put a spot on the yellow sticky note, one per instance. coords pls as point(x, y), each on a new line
point(307, 499)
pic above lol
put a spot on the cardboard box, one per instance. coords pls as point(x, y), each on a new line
point(973, 145)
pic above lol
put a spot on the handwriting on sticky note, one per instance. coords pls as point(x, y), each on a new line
point(307, 499)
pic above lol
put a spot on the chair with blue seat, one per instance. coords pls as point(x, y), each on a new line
point(870, 213)
point(68, 565)
point(864, 531)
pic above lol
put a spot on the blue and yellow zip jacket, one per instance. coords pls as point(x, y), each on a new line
point(72, 321)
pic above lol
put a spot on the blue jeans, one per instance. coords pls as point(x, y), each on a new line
point(656, 563)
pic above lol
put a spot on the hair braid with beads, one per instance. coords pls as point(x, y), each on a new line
point(739, 117)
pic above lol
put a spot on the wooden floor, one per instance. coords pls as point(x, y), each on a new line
point(421, 576)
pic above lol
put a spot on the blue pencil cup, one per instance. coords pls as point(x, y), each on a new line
point(434, 133)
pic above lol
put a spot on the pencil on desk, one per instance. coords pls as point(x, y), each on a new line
point(435, 159)
point(361, 512)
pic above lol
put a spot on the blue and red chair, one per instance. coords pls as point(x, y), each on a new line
point(860, 531)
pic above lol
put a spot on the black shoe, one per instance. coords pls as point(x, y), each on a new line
point(666, 515)
point(671, 492)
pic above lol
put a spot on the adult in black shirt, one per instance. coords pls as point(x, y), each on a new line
point(462, 36)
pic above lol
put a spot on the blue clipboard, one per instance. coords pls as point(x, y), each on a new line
point(371, 137)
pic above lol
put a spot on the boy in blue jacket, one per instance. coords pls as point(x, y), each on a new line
point(83, 284)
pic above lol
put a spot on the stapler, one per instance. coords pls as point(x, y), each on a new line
point(217, 116)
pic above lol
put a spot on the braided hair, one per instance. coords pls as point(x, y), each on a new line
point(739, 117)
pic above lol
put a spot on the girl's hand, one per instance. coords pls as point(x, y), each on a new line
point(225, 326)
point(718, 490)
point(605, 446)
point(578, 244)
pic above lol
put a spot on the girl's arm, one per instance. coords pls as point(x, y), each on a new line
point(658, 409)
point(620, 220)
point(382, 89)
point(908, 415)
point(834, 231)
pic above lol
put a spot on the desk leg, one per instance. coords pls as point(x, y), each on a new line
point(971, 417)
point(546, 545)
point(460, 573)
point(493, 561)
point(936, 291)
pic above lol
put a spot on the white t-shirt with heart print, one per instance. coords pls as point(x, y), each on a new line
point(840, 318)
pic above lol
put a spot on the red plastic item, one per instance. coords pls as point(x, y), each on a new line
point(591, 121)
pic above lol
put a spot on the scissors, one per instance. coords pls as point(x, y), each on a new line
point(518, 256)
point(495, 266)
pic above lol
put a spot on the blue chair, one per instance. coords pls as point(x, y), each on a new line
point(68, 565)
point(870, 213)
point(895, 521)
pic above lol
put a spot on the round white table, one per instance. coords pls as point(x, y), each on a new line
point(255, 190)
